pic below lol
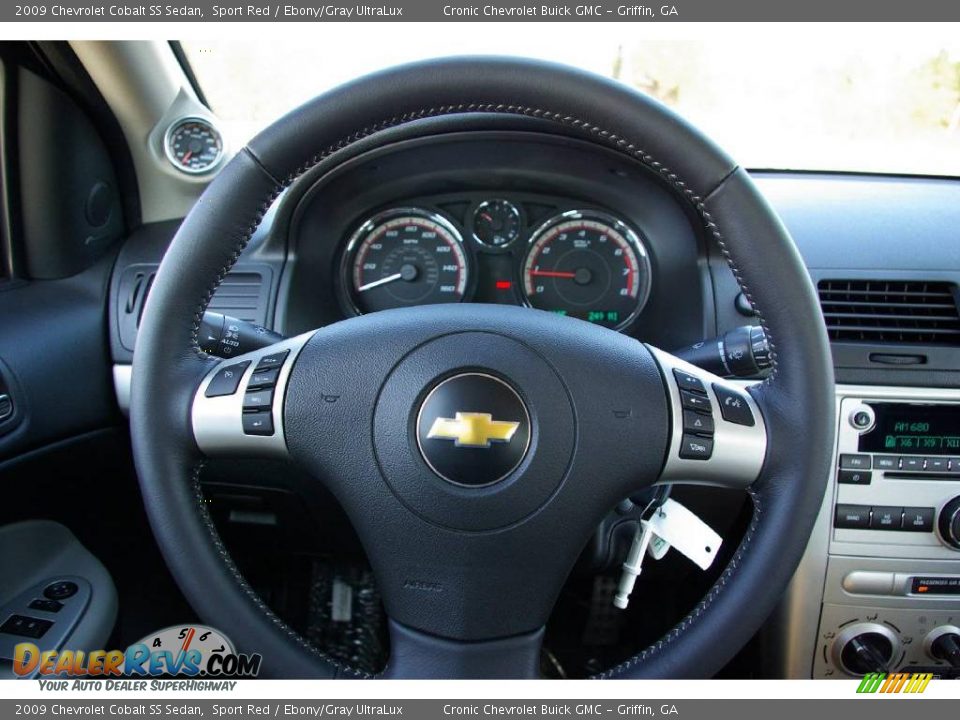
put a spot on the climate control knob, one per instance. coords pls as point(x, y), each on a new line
point(865, 648)
point(943, 643)
point(948, 523)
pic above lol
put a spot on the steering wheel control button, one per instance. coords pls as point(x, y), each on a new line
point(258, 400)
point(263, 378)
point(886, 518)
point(268, 362)
point(697, 423)
point(852, 516)
point(227, 380)
point(686, 381)
point(258, 423)
point(473, 430)
point(855, 462)
point(733, 406)
point(50, 606)
point(854, 477)
point(60, 590)
point(26, 626)
point(918, 519)
point(694, 447)
point(695, 401)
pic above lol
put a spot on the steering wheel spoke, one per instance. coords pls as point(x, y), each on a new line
point(718, 435)
point(238, 408)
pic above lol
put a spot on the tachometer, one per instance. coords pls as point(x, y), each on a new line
point(402, 257)
point(588, 265)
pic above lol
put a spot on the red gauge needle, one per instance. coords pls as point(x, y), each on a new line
point(554, 274)
point(186, 158)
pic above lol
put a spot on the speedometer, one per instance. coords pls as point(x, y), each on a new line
point(589, 265)
point(403, 257)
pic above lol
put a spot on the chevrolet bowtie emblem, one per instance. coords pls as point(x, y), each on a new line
point(475, 430)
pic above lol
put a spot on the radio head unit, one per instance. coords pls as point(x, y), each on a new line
point(913, 428)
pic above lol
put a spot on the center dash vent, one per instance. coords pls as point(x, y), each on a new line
point(891, 311)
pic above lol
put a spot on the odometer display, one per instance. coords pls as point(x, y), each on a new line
point(404, 257)
point(588, 265)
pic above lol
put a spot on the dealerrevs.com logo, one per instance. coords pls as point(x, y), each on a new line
point(193, 651)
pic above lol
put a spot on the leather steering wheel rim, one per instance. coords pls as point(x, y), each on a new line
point(797, 399)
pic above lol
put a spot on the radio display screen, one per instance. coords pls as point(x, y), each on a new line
point(914, 429)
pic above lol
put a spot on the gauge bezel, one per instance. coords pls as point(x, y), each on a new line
point(633, 237)
point(348, 292)
point(485, 203)
point(168, 145)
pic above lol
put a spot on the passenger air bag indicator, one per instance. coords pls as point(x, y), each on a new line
point(935, 585)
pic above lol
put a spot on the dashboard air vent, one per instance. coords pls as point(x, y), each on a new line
point(891, 311)
point(239, 296)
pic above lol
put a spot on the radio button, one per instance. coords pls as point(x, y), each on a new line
point(936, 464)
point(886, 462)
point(852, 516)
point(886, 518)
point(854, 477)
point(855, 462)
point(911, 464)
point(918, 519)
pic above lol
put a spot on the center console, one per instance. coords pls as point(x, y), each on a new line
point(881, 578)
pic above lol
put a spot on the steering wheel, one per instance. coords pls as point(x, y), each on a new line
point(476, 447)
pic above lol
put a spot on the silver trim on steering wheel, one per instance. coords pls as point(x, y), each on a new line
point(738, 450)
point(218, 421)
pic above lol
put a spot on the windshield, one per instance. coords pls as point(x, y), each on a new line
point(845, 98)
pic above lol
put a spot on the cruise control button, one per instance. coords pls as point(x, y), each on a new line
point(886, 518)
point(696, 448)
point(263, 378)
point(275, 360)
point(851, 516)
point(733, 406)
point(697, 423)
point(918, 519)
point(886, 462)
point(854, 477)
point(855, 462)
point(692, 401)
point(227, 380)
point(686, 381)
point(258, 399)
point(258, 423)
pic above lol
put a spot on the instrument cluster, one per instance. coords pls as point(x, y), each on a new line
point(571, 259)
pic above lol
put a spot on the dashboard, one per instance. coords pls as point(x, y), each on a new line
point(544, 252)
point(542, 221)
